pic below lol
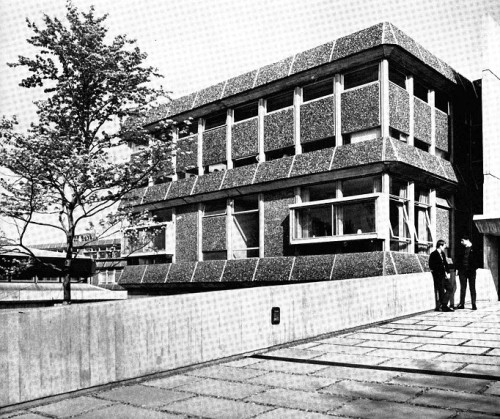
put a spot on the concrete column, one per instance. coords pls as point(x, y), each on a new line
point(262, 112)
point(199, 233)
point(297, 101)
point(432, 202)
point(175, 137)
point(229, 126)
point(229, 228)
point(431, 99)
point(201, 128)
point(409, 88)
point(338, 88)
point(384, 97)
point(383, 215)
point(261, 225)
point(410, 193)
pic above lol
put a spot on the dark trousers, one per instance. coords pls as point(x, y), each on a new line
point(471, 277)
point(443, 288)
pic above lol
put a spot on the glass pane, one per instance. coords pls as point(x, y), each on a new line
point(314, 222)
point(398, 187)
point(421, 225)
point(280, 101)
point(359, 77)
point(245, 231)
point(246, 203)
point(215, 120)
point(214, 255)
point(246, 111)
point(359, 186)
point(358, 218)
point(323, 191)
point(398, 223)
point(317, 90)
point(215, 207)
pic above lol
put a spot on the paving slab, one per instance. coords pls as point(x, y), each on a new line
point(219, 388)
point(352, 359)
point(123, 411)
point(292, 381)
point(284, 366)
point(404, 353)
point(145, 396)
point(374, 336)
point(423, 364)
point(476, 336)
point(441, 341)
point(339, 340)
point(481, 369)
point(283, 413)
point(472, 359)
point(341, 349)
point(72, 407)
point(473, 350)
point(227, 373)
point(23, 415)
point(380, 391)
point(211, 407)
point(493, 389)
point(171, 382)
point(381, 409)
point(459, 400)
point(295, 353)
point(360, 374)
point(382, 344)
point(395, 326)
point(296, 399)
point(469, 385)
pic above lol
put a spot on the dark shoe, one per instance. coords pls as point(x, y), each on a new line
point(438, 309)
point(474, 307)
point(447, 309)
point(452, 306)
point(460, 307)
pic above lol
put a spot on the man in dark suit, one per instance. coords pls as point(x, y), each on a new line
point(441, 275)
point(467, 263)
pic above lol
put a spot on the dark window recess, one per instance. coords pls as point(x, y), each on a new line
point(317, 90)
point(420, 91)
point(280, 101)
point(397, 77)
point(215, 207)
point(220, 255)
point(360, 77)
point(441, 102)
point(421, 145)
point(188, 129)
point(398, 135)
point(346, 139)
point(214, 121)
point(162, 215)
point(245, 161)
point(246, 203)
point(246, 111)
point(318, 145)
point(278, 154)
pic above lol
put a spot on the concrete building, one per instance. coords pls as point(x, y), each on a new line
point(367, 148)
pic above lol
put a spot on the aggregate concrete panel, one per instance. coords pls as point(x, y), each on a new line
point(209, 271)
point(422, 117)
point(209, 182)
point(349, 266)
point(181, 188)
point(273, 170)
point(214, 233)
point(240, 83)
point(275, 71)
point(132, 274)
point(364, 152)
point(313, 57)
point(209, 94)
point(360, 108)
point(278, 129)
point(406, 263)
point(240, 270)
point(187, 152)
point(358, 41)
point(181, 272)
point(274, 269)
point(156, 274)
point(317, 119)
point(442, 141)
point(399, 108)
point(156, 193)
point(314, 162)
point(186, 233)
point(182, 104)
point(244, 138)
point(276, 224)
point(312, 268)
point(239, 176)
point(214, 146)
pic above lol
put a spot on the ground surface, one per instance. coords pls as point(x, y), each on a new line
point(431, 365)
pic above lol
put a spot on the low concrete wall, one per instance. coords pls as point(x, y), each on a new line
point(54, 350)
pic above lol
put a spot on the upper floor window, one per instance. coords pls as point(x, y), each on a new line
point(362, 76)
point(361, 186)
point(247, 111)
point(216, 120)
point(317, 90)
point(397, 77)
point(279, 101)
point(420, 91)
point(189, 129)
point(245, 227)
point(215, 208)
point(441, 101)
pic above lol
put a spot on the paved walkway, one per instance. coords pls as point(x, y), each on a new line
point(431, 365)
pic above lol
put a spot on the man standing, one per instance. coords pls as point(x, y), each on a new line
point(441, 275)
point(467, 263)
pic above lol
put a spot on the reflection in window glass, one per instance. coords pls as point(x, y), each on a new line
point(245, 228)
point(358, 217)
point(315, 222)
point(215, 207)
point(280, 101)
point(246, 111)
point(360, 77)
point(359, 186)
point(317, 90)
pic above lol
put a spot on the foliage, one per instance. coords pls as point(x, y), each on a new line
point(66, 165)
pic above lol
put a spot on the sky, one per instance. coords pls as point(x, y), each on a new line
point(197, 43)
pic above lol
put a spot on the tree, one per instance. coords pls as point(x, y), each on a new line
point(63, 167)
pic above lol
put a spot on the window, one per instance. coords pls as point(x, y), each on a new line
point(337, 218)
point(360, 77)
point(246, 111)
point(398, 135)
point(421, 145)
point(365, 135)
point(244, 161)
point(318, 144)
point(214, 209)
point(218, 167)
point(280, 153)
point(441, 101)
point(420, 91)
point(214, 121)
point(162, 215)
point(399, 221)
point(423, 231)
point(280, 101)
point(317, 90)
point(361, 186)
point(190, 128)
point(397, 77)
point(245, 227)
point(319, 192)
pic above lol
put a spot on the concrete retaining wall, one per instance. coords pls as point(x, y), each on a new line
point(54, 350)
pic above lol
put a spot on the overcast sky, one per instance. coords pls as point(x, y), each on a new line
point(195, 43)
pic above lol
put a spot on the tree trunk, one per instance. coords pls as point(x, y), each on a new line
point(67, 289)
